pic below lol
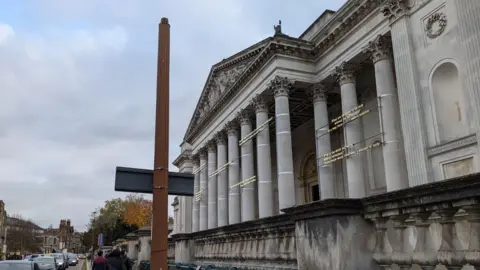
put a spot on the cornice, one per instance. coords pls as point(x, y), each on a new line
point(182, 158)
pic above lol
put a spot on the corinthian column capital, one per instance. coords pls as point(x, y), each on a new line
point(280, 86)
point(345, 73)
point(196, 160)
point(203, 153)
point(212, 146)
point(260, 104)
point(243, 117)
point(232, 127)
point(318, 92)
point(379, 48)
point(393, 9)
point(220, 138)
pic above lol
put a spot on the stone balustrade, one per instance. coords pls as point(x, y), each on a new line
point(424, 227)
point(258, 244)
point(429, 225)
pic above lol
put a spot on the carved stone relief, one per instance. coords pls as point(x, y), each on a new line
point(435, 25)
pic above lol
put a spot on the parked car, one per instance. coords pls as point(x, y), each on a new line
point(19, 265)
point(62, 264)
point(46, 263)
point(72, 259)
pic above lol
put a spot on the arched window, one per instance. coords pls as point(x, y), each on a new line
point(378, 166)
point(449, 103)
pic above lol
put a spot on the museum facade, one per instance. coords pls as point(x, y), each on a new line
point(352, 146)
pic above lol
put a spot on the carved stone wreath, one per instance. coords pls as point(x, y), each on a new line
point(439, 20)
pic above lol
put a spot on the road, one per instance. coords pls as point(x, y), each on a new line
point(76, 267)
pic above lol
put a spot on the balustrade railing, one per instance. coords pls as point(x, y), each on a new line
point(429, 225)
point(253, 244)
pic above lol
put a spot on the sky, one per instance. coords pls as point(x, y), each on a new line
point(77, 88)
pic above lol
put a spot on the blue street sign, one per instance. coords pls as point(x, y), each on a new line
point(100, 240)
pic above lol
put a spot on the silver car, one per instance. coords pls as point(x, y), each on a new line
point(19, 265)
point(61, 262)
point(46, 263)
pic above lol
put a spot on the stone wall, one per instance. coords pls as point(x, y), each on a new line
point(425, 226)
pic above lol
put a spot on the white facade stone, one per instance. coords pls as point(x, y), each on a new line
point(421, 118)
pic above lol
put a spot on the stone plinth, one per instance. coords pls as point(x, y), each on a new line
point(171, 250)
point(332, 235)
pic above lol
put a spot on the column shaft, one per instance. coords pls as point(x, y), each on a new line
point(393, 154)
point(196, 204)
point(204, 192)
point(222, 181)
point(212, 186)
point(248, 191)
point(413, 129)
point(234, 212)
point(352, 131)
point(264, 161)
point(286, 181)
point(326, 182)
point(469, 36)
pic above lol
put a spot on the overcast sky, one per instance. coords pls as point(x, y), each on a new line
point(77, 88)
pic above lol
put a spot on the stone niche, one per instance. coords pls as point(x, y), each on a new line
point(332, 234)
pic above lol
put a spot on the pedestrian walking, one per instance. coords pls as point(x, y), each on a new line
point(127, 261)
point(100, 263)
point(115, 261)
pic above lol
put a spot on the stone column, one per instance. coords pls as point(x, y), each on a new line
point(286, 183)
point(234, 212)
point(264, 160)
point(204, 191)
point(248, 191)
point(393, 155)
point(196, 189)
point(212, 185)
point(353, 130)
point(326, 182)
point(409, 92)
point(469, 36)
point(222, 180)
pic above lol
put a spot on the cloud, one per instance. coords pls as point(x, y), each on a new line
point(77, 89)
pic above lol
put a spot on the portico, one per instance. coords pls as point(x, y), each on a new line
point(334, 114)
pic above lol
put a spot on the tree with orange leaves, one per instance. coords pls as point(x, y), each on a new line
point(137, 210)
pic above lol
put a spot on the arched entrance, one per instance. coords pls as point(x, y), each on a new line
point(309, 178)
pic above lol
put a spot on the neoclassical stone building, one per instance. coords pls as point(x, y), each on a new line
point(334, 149)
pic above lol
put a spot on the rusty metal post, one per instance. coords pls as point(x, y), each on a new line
point(158, 260)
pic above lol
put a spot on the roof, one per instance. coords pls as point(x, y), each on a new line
point(18, 222)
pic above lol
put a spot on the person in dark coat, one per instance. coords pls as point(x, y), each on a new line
point(100, 263)
point(115, 261)
point(128, 263)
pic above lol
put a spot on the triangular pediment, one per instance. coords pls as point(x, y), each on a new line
point(222, 76)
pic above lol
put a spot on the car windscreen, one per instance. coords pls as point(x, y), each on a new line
point(45, 260)
point(15, 266)
point(58, 256)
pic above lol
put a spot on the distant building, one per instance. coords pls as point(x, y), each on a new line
point(65, 234)
point(3, 228)
point(23, 236)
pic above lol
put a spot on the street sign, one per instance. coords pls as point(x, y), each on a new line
point(100, 240)
point(141, 181)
